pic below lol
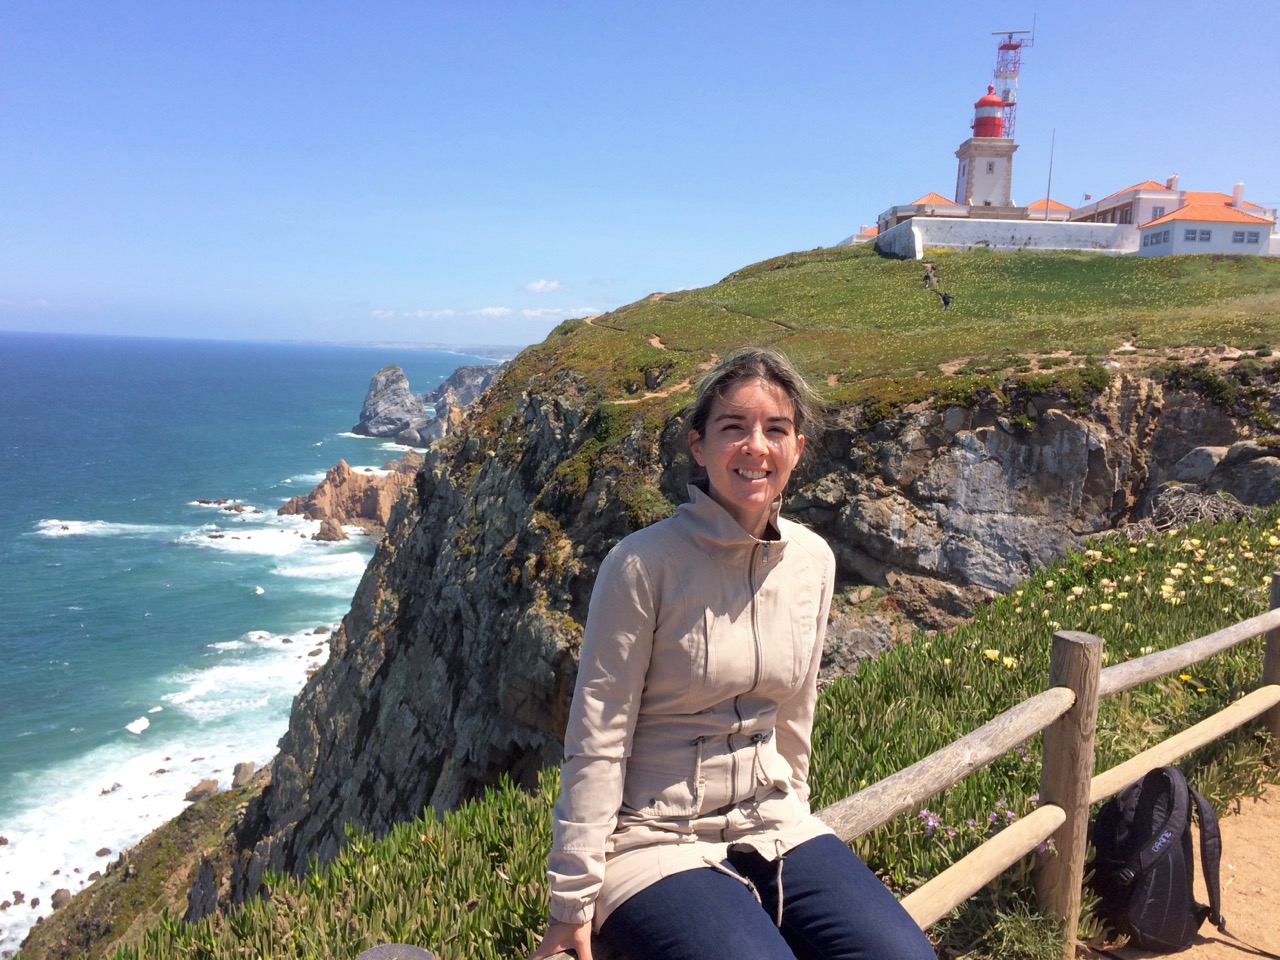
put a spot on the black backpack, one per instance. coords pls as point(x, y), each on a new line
point(1144, 862)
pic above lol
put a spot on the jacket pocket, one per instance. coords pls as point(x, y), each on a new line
point(661, 790)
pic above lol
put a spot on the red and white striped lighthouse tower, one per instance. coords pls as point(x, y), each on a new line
point(985, 172)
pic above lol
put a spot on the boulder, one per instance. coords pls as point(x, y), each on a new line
point(330, 530)
point(202, 790)
point(243, 774)
point(61, 897)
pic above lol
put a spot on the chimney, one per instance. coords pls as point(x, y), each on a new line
point(1237, 196)
point(1171, 183)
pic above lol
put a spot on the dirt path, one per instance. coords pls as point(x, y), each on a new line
point(1250, 887)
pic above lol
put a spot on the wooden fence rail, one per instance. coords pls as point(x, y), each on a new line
point(1067, 713)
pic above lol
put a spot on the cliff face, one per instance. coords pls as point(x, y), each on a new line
point(457, 661)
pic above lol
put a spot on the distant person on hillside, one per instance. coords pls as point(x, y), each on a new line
point(683, 827)
point(930, 277)
point(946, 301)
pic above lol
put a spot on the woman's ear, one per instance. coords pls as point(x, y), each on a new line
point(799, 448)
point(695, 447)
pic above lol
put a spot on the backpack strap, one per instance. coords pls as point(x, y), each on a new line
point(1210, 856)
point(1165, 833)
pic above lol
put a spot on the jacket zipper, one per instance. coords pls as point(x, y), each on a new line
point(755, 676)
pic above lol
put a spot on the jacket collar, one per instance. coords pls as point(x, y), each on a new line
point(712, 527)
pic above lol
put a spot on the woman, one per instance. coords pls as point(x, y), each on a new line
point(683, 827)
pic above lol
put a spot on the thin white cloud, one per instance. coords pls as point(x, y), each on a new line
point(558, 313)
point(383, 314)
point(493, 312)
point(544, 286)
point(445, 314)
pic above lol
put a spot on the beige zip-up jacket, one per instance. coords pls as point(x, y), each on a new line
point(691, 719)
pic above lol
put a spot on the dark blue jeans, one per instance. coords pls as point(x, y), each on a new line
point(833, 908)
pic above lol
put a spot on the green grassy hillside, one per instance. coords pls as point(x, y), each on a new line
point(865, 324)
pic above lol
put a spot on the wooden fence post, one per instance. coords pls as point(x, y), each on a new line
point(1271, 667)
point(1066, 770)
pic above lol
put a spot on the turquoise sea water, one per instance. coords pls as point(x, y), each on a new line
point(148, 642)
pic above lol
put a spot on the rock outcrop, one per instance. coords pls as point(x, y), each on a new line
point(391, 409)
point(390, 406)
point(456, 663)
point(348, 497)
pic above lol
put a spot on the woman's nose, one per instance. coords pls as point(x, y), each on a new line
point(754, 441)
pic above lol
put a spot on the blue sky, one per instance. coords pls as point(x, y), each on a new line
point(475, 172)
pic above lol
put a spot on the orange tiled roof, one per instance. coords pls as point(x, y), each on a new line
point(869, 232)
point(932, 198)
point(1044, 202)
point(1213, 196)
point(1145, 185)
point(1209, 212)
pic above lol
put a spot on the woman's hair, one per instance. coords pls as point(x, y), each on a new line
point(757, 363)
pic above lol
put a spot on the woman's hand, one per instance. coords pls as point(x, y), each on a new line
point(565, 936)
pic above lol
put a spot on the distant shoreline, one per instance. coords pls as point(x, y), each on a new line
point(488, 351)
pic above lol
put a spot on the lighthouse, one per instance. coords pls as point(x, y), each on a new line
point(986, 159)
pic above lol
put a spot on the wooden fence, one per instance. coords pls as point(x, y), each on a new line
point(1067, 712)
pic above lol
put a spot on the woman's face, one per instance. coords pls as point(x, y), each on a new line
point(749, 449)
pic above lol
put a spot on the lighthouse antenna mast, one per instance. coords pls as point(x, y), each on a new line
point(1008, 66)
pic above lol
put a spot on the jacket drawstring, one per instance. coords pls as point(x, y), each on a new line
point(777, 848)
point(728, 871)
point(757, 762)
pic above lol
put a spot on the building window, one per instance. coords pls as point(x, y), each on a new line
point(1157, 213)
point(1146, 239)
point(1253, 236)
point(991, 166)
point(1126, 215)
point(1237, 236)
point(1165, 237)
point(1206, 236)
point(1189, 236)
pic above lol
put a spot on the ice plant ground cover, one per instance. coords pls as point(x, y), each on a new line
point(471, 884)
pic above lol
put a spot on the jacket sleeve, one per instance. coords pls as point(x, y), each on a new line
point(794, 730)
point(606, 703)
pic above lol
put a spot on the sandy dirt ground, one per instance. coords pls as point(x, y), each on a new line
point(1250, 888)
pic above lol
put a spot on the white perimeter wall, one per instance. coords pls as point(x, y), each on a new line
point(912, 238)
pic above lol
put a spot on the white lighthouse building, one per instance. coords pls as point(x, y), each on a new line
point(985, 172)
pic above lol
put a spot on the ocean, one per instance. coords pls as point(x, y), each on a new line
point(149, 641)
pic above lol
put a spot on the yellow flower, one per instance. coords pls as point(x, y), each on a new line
point(991, 654)
point(1145, 650)
point(946, 661)
point(1017, 609)
point(1199, 689)
point(1055, 625)
point(1206, 579)
point(1195, 543)
point(1133, 549)
point(1010, 662)
point(1048, 584)
point(1273, 541)
point(1180, 565)
point(1104, 606)
point(1122, 595)
point(1093, 607)
point(1184, 677)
